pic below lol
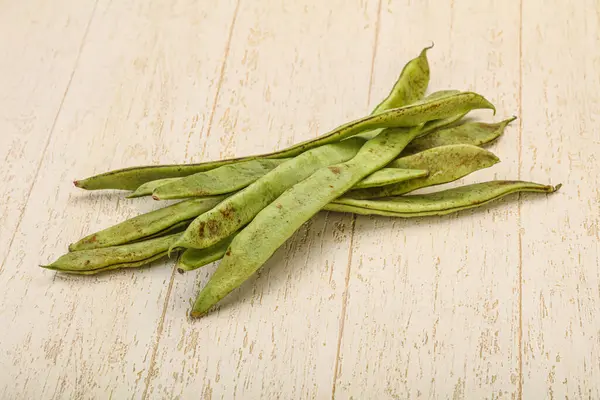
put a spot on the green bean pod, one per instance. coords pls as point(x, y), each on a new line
point(89, 262)
point(147, 188)
point(445, 164)
point(411, 115)
point(439, 94)
point(475, 133)
point(147, 225)
point(411, 84)
point(225, 179)
point(239, 209)
point(195, 258)
point(388, 176)
point(430, 126)
point(272, 226)
point(178, 217)
point(439, 203)
point(231, 179)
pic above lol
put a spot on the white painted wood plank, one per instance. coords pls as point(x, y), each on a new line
point(432, 306)
point(39, 48)
point(295, 70)
point(142, 93)
point(560, 240)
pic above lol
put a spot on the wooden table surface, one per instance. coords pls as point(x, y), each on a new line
point(499, 302)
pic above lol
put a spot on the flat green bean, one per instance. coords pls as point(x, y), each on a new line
point(195, 258)
point(439, 94)
point(381, 177)
point(175, 228)
point(147, 225)
point(430, 126)
point(147, 188)
point(388, 176)
point(411, 84)
point(411, 115)
point(239, 209)
point(475, 133)
point(272, 226)
point(230, 182)
point(88, 262)
point(177, 217)
point(225, 179)
point(410, 87)
point(445, 164)
point(439, 203)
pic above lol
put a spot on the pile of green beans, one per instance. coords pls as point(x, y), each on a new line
point(241, 210)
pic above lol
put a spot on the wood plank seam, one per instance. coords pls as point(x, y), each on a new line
point(344, 306)
point(50, 135)
point(220, 81)
point(519, 204)
point(160, 327)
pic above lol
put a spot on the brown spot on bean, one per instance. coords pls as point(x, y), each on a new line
point(228, 253)
point(201, 229)
point(278, 206)
point(228, 212)
point(213, 226)
point(335, 170)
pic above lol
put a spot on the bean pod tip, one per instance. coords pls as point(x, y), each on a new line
point(196, 314)
point(428, 48)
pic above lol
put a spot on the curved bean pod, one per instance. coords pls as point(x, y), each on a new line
point(146, 225)
point(147, 188)
point(175, 228)
point(411, 84)
point(195, 258)
point(229, 184)
point(239, 209)
point(388, 176)
point(178, 217)
point(439, 94)
point(475, 133)
point(88, 262)
point(440, 203)
point(411, 115)
point(445, 164)
point(272, 226)
point(430, 126)
point(226, 179)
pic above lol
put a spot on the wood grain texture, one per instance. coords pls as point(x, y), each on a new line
point(39, 51)
point(560, 241)
point(141, 92)
point(294, 70)
point(499, 302)
point(432, 304)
